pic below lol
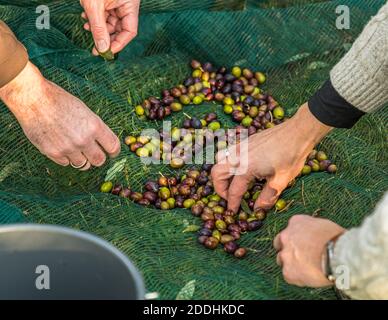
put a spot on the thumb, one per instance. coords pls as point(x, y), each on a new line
point(271, 192)
point(98, 26)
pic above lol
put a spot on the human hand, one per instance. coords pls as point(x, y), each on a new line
point(61, 126)
point(301, 248)
point(113, 23)
point(276, 154)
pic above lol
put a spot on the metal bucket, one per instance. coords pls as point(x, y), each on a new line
point(49, 262)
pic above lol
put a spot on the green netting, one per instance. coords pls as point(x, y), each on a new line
point(295, 42)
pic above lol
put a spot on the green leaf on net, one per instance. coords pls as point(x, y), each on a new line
point(245, 207)
point(187, 292)
point(117, 168)
point(191, 228)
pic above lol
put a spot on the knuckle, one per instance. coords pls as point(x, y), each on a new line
point(295, 219)
point(283, 238)
point(99, 160)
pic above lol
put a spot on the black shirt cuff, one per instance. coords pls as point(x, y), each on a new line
point(333, 110)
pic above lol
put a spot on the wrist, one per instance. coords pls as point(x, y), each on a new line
point(26, 89)
point(308, 128)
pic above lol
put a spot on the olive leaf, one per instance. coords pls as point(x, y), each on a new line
point(191, 228)
point(117, 168)
point(187, 291)
point(8, 170)
point(108, 55)
point(245, 207)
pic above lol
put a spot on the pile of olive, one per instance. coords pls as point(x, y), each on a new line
point(237, 89)
point(179, 145)
point(318, 161)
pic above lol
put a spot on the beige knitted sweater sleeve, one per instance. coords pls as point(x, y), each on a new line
point(361, 77)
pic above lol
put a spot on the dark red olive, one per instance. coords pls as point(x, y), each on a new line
point(146, 104)
point(152, 186)
point(230, 247)
point(184, 190)
point(211, 117)
point(116, 190)
point(243, 225)
point(211, 243)
point(235, 235)
point(143, 202)
point(202, 239)
point(238, 116)
point(196, 210)
point(229, 213)
point(234, 228)
point(209, 224)
point(176, 92)
point(179, 201)
point(125, 193)
point(255, 225)
point(136, 196)
point(158, 203)
point(187, 124)
point(251, 130)
point(172, 181)
point(240, 253)
point(150, 196)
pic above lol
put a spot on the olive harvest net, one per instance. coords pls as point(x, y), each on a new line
point(295, 42)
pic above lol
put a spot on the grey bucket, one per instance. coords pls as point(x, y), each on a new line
point(55, 263)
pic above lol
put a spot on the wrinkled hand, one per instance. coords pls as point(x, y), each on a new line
point(61, 126)
point(276, 154)
point(113, 23)
point(301, 247)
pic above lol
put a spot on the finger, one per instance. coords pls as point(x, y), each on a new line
point(64, 162)
point(97, 19)
point(221, 179)
point(77, 159)
point(84, 16)
point(129, 25)
point(277, 244)
point(279, 260)
point(109, 142)
point(236, 191)
point(94, 154)
point(87, 26)
point(271, 192)
point(112, 20)
point(86, 167)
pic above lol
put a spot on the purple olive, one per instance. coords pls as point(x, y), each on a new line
point(150, 196)
point(209, 224)
point(236, 235)
point(230, 247)
point(243, 225)
point(152, 186)
point(255, 225)
point(202, 239)
point(116, 190)
point(125, 193)
point(205, 232)
point(143, 202)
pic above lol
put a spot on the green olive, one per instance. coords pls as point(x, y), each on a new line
point(129, 140)
point(236, 71)
point(228, 101)
point(164, 193)
point(280, 204)
point(106, 187)
point(143, 139)
point(142, 152)
point(278, 113)
point(197, 100)
point(176, 106)
point(228, 109)
point(247, 121)
point(217, 234)
point(197, 73)
point(185, 99)
point(164, 205)
point(171, 202)
point(139, 110)
point(260, 77)
point(321, 156)
point(221, 225)
point(306, 170)
point(226, 238)
point(214, 126)
point(188, 203)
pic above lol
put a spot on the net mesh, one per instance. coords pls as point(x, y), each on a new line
point(294, 41)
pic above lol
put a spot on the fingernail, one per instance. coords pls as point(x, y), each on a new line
point(102, 46)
